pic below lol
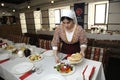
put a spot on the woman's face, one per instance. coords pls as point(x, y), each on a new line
point(67, 23)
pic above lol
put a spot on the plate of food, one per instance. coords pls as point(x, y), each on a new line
point(35, 57)
point(22, 67)
point(75, 58)
point(4, 56)
point(64, 68)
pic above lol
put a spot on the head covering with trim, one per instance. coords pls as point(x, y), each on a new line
point(69, 13)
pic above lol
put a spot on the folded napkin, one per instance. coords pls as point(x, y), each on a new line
point(2, 61)
point(25, 75)
point(88, 72)
point(3, 43)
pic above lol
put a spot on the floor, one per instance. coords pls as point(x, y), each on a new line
point(113, 71)
point(1, 78)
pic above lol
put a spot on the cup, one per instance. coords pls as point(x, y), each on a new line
point(27, 52)
point(20, 53)
point(38, 69)
point(12, 56)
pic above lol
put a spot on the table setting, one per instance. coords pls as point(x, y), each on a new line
point(40, 64)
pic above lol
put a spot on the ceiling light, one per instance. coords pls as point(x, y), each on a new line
point(52, 2)
point(28, 6)
point(28, 2)
point(2, 4)
point(13, 10)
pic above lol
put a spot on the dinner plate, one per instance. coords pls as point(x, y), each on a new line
point(4, 56)
point(48, 53)
point(53, 77)
point(69, 73)
point(22, 67)
point(34, 59)
point(77, 62)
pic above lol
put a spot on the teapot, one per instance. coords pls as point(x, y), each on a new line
point(1, 41)
point(20, 53)
point(27, 52)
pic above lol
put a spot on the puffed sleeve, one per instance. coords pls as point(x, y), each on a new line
point(83, 38)
point(56, 39)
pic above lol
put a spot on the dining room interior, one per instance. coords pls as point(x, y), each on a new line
point(33, 22)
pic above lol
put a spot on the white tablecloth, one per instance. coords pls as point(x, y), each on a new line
point(47, 65)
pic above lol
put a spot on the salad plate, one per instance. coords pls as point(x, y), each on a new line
point(64, 68)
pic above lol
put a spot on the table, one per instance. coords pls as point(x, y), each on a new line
point(103, 36)
point(47, 65)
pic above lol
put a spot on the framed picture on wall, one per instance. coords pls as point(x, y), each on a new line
point(8, 20)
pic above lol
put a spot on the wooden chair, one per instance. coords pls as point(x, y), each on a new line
point(26, 39)
point(46, 44)
point(96, 53)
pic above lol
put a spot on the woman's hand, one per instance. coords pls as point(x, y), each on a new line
point(57, 59)
point(56, 56)
point(81, 52)
point(83, 48)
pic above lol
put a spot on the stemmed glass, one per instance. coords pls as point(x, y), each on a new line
point(39, 69)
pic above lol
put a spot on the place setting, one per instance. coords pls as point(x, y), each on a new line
point(68, 63)
point(26, 69)
point(4, 57)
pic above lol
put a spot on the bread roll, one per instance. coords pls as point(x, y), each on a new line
point(75, 57)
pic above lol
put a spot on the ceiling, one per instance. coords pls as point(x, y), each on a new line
point(22, 4)
point(14, 1)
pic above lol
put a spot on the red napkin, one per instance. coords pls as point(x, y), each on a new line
point(2, 61)
point(3, 43)
point(84, 72)
point(88, 72)
point(92, 71)
point(25, 75)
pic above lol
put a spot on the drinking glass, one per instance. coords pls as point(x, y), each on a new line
point(38, 69)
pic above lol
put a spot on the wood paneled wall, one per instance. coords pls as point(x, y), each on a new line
point(10, 29)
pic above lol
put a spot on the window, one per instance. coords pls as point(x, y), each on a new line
point(54, 16)
point(100, 14)
point(57, 16)
point(23, 22)
point(37, 20)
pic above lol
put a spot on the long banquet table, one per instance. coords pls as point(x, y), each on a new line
point(48, 63)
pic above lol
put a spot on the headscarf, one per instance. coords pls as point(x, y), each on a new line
point(70, 14)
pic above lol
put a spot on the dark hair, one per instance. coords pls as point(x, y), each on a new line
point(64, 17)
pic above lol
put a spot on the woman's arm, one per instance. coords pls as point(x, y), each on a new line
point(83, 41)
point(83, 48)
point(55, 42)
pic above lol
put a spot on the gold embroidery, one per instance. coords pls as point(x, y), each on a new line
point(72, 36)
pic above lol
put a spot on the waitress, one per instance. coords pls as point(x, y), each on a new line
point(70, 34)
